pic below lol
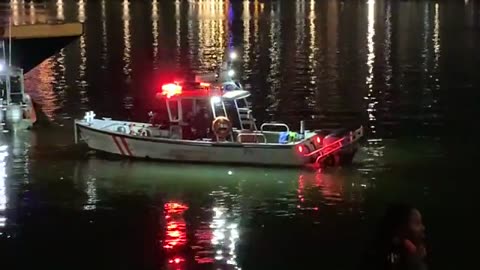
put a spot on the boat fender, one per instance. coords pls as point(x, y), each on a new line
point(293, 136)
point(26, 113)
point(122, 129)
point(130, 130)
point(146, 132)
point(29, 114)
point(283, 137)
point(221, 127)
point(29, 111)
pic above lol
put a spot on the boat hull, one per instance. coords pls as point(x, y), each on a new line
point(189, 151)
point(124, 139)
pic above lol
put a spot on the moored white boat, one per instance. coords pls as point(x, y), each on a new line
point(198, 122)
point(16, 107)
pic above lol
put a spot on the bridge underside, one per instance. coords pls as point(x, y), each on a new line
point(32, 44)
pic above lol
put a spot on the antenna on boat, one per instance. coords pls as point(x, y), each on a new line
point(10, 36)
point(8, 66)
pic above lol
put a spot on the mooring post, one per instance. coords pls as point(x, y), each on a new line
point(75, 131)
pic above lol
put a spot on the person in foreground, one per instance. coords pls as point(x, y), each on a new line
point(400, 244)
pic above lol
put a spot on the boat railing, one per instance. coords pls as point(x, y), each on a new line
point(274, 125)
point(328, 149)
point(337, 145)
point(248, 137)
point(246, 119)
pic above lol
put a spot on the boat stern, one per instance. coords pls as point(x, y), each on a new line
point(329, 148)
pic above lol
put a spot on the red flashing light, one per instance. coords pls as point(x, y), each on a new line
point(300, 149)
point(318, 140)
point(171, 90)
point(176, 260)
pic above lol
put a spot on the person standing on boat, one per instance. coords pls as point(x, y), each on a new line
point(400, 244)
point(201, 123)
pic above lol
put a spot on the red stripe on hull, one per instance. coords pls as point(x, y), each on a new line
point(125, 144)
point(118, 145)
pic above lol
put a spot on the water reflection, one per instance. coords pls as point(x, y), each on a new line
point(246, 35)
point(88, 183)
point(155, 33)
point(39, 83)
point(47, 85)
point(312, 56)
point(16, 16)
point(104, 53)
point(348, 50)
point(372, 101)
point(213, 33)
point(32, 12)
point(126, 38)
point(274, 52)
point(332, 188)
point(3, 189)
point(319, 74)
point(224, 226)
point(60, 11)
point(59, 71)
point(81, 11)
point(81, 81)
point(175, 232)
point(436, 37)
point(206, 204)
point(388, 45)
point(178, 36)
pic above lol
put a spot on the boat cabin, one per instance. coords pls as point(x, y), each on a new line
point(11, 85)
point(191, 108)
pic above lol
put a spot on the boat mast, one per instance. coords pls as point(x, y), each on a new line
point(10, 35)
point(8, 83)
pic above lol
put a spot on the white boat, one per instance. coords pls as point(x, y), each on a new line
point(199, 122)
point(16, 107)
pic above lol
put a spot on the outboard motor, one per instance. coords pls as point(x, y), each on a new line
point(321, 134)
point(334, 136)
point(335, 157)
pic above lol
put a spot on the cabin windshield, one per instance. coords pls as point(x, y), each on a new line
point(188, 110)
point(16, 88)
point(232, 113)
point(218, 109)
point(173, 112)
point(242, 103)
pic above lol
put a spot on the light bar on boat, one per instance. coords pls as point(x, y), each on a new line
point(215, 99)
point(171, 90)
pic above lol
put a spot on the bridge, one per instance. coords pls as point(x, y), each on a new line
point(35, 34)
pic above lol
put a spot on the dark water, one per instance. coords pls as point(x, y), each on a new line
point(407, 70)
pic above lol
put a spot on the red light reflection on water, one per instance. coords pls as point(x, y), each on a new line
point(319, 188)
point(176, 260)
point(176, 234)
point(331, 186)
